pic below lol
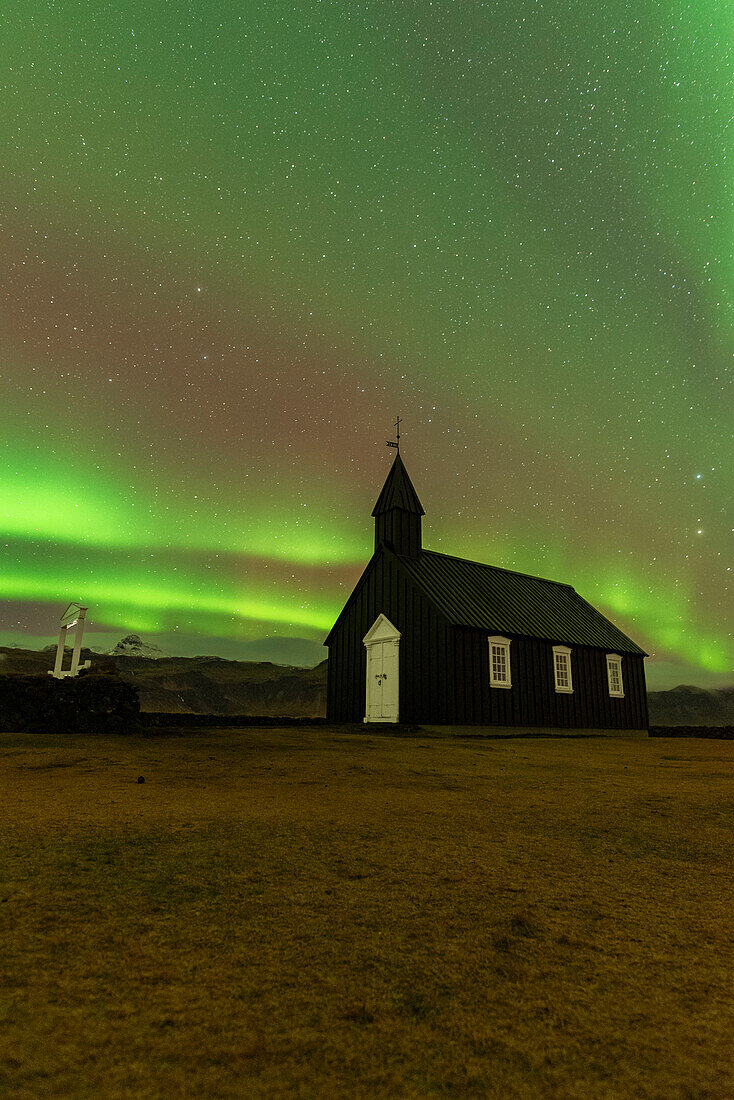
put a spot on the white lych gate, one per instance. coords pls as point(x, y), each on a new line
point(382, 643)
point(74, 616)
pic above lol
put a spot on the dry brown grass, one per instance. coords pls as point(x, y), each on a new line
point(309, 913)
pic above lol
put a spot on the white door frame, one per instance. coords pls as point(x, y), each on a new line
point(382, 632)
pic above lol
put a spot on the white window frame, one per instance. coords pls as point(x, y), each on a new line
point(504, 644)
point(614, 660)
point(562, 651)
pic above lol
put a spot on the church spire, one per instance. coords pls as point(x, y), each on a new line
point(398, 513)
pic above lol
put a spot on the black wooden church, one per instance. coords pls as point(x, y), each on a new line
point(428, 638)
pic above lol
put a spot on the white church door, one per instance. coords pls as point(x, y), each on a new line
point(382, 643)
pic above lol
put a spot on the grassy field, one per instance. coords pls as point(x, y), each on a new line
point(314, 913)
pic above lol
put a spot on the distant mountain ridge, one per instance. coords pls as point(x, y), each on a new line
point(215, 685)
point(687, 705)
point(197, 685)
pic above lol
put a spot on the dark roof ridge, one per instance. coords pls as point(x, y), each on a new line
point(499, 568)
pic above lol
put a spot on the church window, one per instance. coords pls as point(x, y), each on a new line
point(499, 662)
point(562, 668)
point(614, 675)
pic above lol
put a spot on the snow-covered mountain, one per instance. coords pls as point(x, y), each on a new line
point(134, 646)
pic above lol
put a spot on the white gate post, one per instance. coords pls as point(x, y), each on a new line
point(60, 651)
point(74, 615)
point(78, 641)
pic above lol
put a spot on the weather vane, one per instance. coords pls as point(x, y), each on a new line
point(396, 444)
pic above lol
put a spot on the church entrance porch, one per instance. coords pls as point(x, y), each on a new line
point(382, 689)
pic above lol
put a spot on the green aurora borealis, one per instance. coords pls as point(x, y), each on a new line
point(239, 238)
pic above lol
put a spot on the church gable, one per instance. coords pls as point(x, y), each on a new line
point(378, 585)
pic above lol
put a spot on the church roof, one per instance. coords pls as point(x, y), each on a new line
point(398, 492)
point(499, 601)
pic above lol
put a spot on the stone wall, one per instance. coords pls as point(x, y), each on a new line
point(92, 702)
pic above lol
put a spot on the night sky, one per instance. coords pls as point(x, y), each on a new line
point(235, 246)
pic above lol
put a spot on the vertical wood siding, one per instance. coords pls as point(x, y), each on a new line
point(400, 529)
point(444, 670)
point(532, 700)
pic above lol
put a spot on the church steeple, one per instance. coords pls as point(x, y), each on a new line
point(398, 513)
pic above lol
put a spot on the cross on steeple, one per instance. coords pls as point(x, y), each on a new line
point(396, 444)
